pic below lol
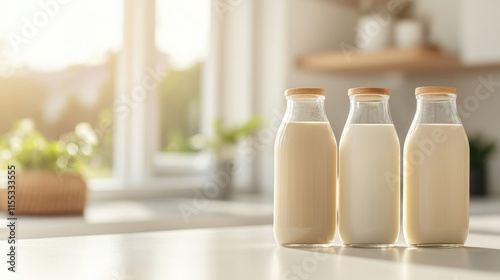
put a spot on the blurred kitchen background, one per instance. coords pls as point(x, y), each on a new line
point(168, 109)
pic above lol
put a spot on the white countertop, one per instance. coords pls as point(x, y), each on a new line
point(247, 252)
point(146, 215)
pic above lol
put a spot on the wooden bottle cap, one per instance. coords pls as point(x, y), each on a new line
point(368, 90)
point(311, 91)
point(439, 90)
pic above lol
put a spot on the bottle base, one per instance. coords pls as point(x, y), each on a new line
point(306, 245)
point(369, 245)
point(437, 245)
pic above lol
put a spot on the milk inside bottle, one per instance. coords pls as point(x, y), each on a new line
point(436, 172)
point(305, 171)
point(369, 172)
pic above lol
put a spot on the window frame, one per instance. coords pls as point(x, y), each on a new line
point(228, 91)
point(138, 161)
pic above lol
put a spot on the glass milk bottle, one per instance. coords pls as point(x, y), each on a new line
point(436, 172)
point(305, 172)
point(369, 172)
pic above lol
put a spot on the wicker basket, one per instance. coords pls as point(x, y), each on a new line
point(47, 193)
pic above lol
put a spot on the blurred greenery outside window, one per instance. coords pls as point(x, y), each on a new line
point(82, 94)
point(180, 109)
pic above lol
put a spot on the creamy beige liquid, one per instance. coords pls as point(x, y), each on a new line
point(305, 167)
point(436, 185)
point(369, 185)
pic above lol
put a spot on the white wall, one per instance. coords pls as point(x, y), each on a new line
point(479, 39)
point(443, 20)
point(322, 25)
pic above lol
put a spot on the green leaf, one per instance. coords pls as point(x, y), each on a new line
point(480, 150)
point(31, 151)
point(227, 137)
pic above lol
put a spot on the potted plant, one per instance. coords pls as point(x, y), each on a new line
point(222, 148)
point(47, 177)
point(480, 152)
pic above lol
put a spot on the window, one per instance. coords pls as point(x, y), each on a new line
point(131, 71)
point(57, 67)
point(182, 31)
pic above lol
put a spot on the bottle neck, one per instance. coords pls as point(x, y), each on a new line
point(369, 109)
point(436, 109)
point(305, 108)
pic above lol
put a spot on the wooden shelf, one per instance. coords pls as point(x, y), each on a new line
point(353, 3)
point(407, 60)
